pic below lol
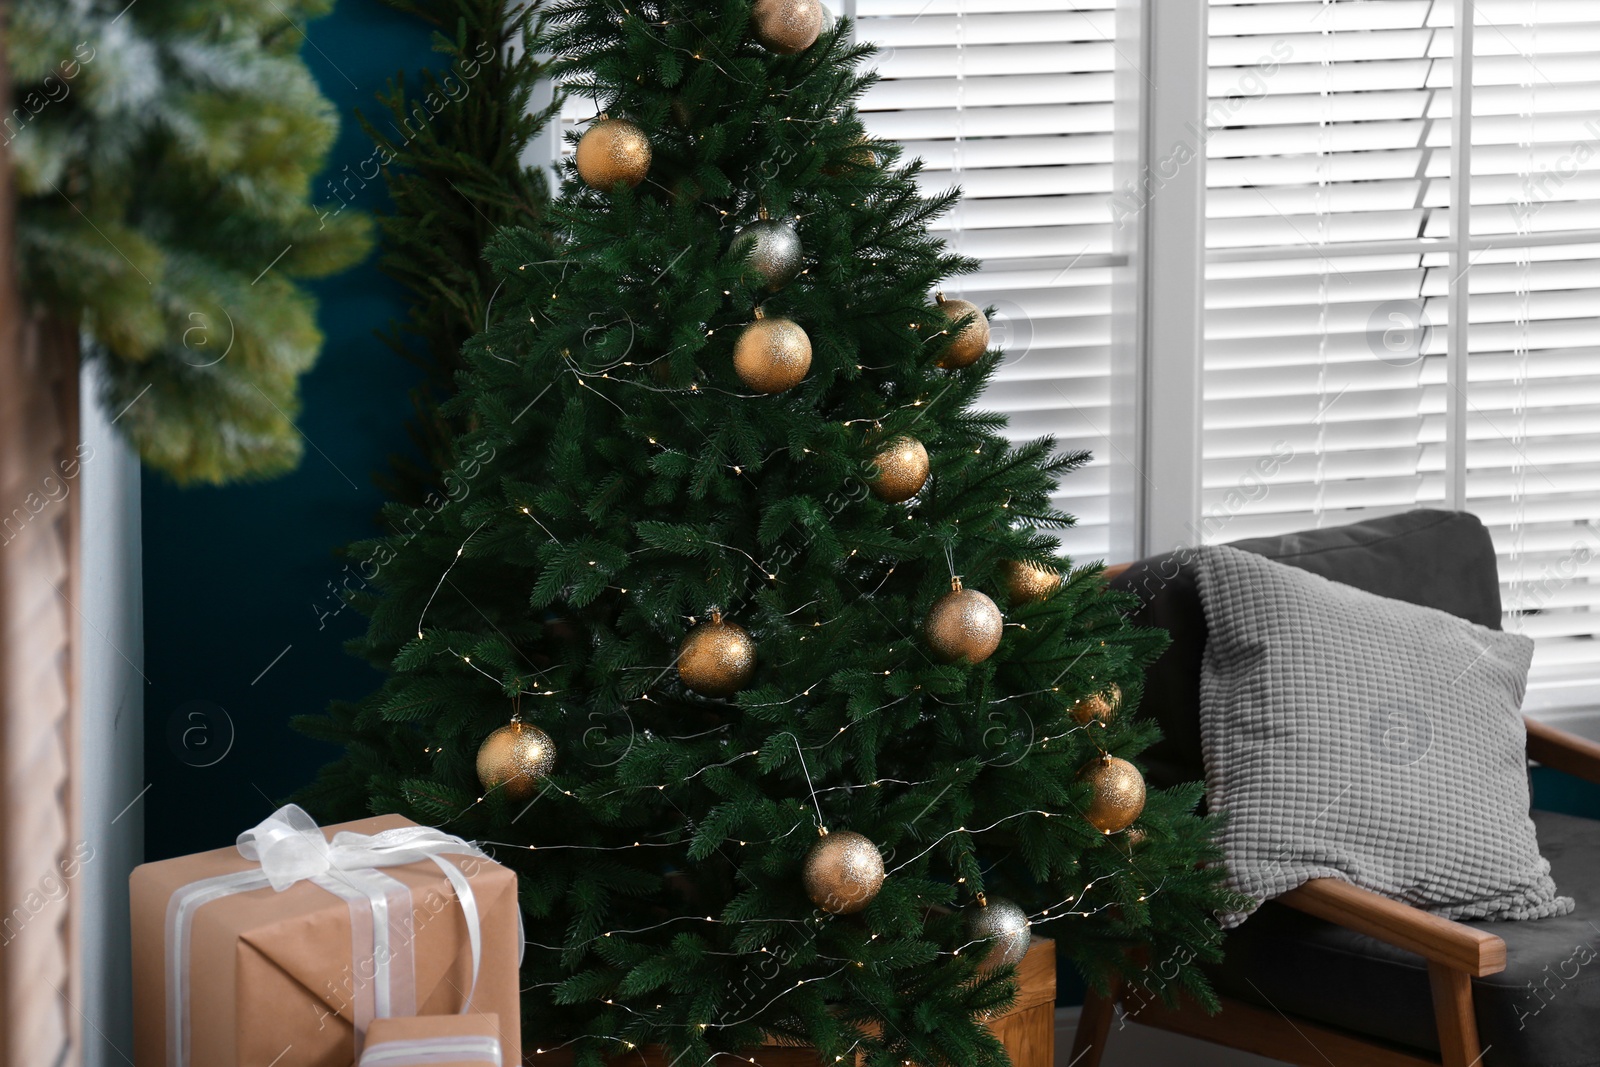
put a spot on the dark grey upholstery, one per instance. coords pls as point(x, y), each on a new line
point(1544, 1009)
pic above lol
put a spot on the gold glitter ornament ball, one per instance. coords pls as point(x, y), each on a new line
point(612, 151)
point(902, 466)
point(515, 759)
point(971, 341)
point(717, 658)
point(786, 27)
point(1118, 793)
point(859, 156)
point(1001, 930)
point(1098, 706)
point(843, 872)
point(772, 355)
point(1027, 583)
point(963, 625)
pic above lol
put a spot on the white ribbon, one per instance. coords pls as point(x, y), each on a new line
point(289, 847)
point(430, 1050)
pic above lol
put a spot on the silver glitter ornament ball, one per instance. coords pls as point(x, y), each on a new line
point(1000, 930)
point(843, 872)
point(770, 249)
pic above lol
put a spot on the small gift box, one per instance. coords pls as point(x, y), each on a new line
point(435, 1041)
point(285, 949)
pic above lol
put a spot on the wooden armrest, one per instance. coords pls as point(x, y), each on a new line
point(1443, 941)
point(1568, 753)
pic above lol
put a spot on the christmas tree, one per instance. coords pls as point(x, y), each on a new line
point(455, 145)
point(744, 642)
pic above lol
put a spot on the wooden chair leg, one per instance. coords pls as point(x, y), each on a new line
point(1453, 1015)
point(1094, 1024)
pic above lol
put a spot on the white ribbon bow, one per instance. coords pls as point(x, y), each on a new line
point(291, 847)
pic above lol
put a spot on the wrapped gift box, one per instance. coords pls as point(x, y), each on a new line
point(437, 1041)
point(229, 972)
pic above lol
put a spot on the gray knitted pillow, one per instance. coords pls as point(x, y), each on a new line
point(1351, 736)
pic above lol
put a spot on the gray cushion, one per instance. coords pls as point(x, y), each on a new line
point(1538, 1012)
point(1439, 559)
point(1359, 737)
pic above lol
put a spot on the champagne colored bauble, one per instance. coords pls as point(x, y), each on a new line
point(902, 466)
point(971, 341)
point(772, 355)
point(1118, 793)
point(770, 250)
point(843, 872)
point(863, 156)
point(1135, 837)
point(1001, 930)
point(612, 151)
point(964, 625)
point(1027, 583)
point(1098, 706)
point(515, 759)
point(786, 27)
point(859, 156)
point(717, 658)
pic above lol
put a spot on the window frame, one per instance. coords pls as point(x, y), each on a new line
point(1156, 438)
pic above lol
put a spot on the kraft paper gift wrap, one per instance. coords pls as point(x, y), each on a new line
point(230, 971)
point(436, 1041)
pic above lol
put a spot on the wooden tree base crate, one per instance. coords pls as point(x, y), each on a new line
point(1028, 1030)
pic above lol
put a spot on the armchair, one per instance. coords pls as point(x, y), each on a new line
point(1330, 974)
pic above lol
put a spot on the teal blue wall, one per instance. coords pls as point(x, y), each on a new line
point(235, 576)
point(1554, 791)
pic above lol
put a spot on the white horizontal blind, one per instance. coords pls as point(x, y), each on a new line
point(1534, 372)
point(1328, 229)
point(1328, 159)
point(1012, 101)
point(576, 113)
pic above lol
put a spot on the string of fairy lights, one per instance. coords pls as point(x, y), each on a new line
point(1071, 906)
point(1090, 716)
point(1093, 712)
